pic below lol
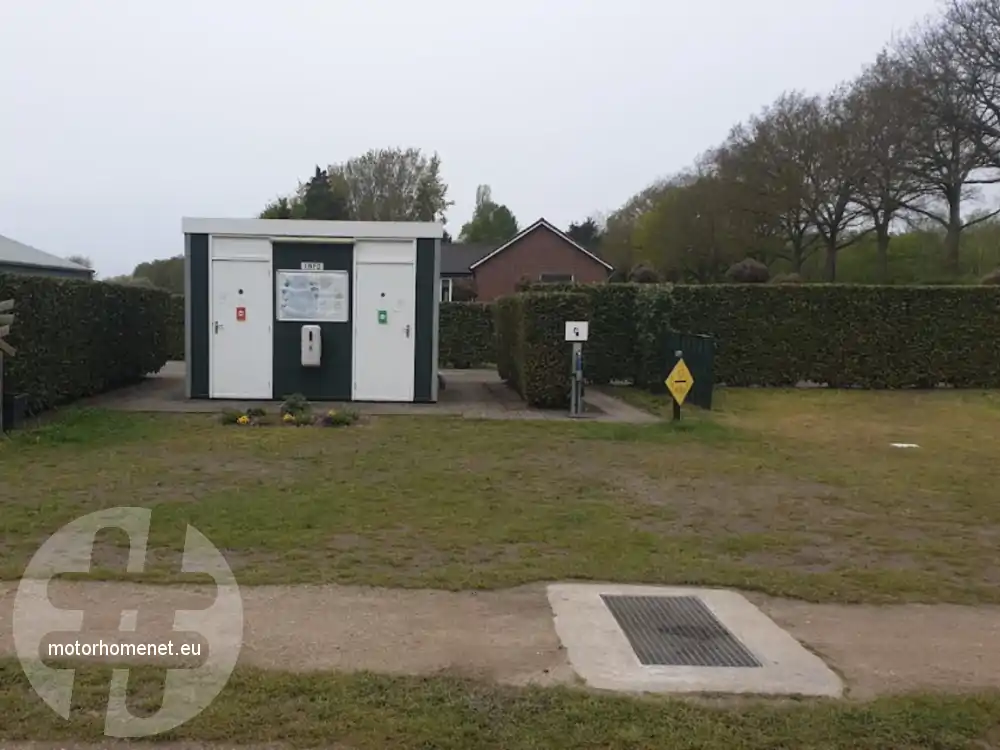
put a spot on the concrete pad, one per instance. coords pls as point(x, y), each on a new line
point(601, 655)
point(468, 394)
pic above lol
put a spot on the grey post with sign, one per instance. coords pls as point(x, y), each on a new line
point(576, 332)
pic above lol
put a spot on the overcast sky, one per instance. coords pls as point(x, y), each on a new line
point(121, 116)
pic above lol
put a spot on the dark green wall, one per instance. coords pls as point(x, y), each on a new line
point(331, 381)
point(198, 298)
point(427, 291)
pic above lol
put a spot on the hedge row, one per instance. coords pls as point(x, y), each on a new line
point(838, 335)
point(80, 338)
point(466, 337)
point(175, 329)
point(846, 336)
point(532, 354)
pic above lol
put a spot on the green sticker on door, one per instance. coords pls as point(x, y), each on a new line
point(383, 317)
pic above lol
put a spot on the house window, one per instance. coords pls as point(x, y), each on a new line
point(446, 288)
point(556, 278)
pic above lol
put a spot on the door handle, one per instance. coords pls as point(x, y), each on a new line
point(218, 326)
point(407, 331)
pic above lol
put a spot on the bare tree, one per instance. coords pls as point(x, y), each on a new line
point(833, 169)
point(766, 160)
point(883, 115)
point(81, 260)
point(949, 156)
point(970, 35)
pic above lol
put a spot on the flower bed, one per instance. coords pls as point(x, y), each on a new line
point(295, 411)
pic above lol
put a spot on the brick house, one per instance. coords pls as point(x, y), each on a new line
point(541, 252)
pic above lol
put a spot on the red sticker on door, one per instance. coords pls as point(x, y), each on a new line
point(241, 313)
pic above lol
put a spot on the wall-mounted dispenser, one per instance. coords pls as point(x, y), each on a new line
point(312, 346)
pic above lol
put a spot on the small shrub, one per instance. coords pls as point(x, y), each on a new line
point(231, 416)
point(787, 278)
point(256, 412)
point(748, 271)
point(338, 418)
point(992, 278)
point(295, 405)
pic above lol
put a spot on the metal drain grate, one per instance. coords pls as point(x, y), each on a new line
point(677, 631)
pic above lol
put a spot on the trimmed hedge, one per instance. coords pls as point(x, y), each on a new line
point(531, 331)
point(466, 337)
point(653, 308)
point(506, 332)
point(610, 350)
point(79, 338)
point(175, 329)
point(846, 336)
point(768, 335)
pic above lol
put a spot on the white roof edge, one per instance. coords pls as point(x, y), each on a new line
point(14, 253)
point(536, 225)
point(386, 230)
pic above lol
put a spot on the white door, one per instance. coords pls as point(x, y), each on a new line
point(241, 320)
point(384, 331)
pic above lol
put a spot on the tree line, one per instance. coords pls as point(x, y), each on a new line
point(889, 165)
point(904, 147)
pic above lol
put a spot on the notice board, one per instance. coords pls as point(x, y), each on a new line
point(313, 296)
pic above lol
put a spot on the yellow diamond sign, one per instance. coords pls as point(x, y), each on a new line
point(679, 381)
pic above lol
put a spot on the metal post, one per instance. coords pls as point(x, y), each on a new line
point(677, 407)
point(576, 381)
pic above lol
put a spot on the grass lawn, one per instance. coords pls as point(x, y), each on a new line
point(370, 711)
point(794, 493)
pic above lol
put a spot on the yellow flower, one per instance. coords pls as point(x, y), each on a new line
point(332, 413)
point(288, 418)
point(243, 420)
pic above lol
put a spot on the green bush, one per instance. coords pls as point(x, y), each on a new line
point(466, 337)
point(543, 355)
point(79, 338)
point(175, 329)
point(748, 271)
point(295, 406)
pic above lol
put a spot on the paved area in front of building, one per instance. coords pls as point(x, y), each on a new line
point(473, 394)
